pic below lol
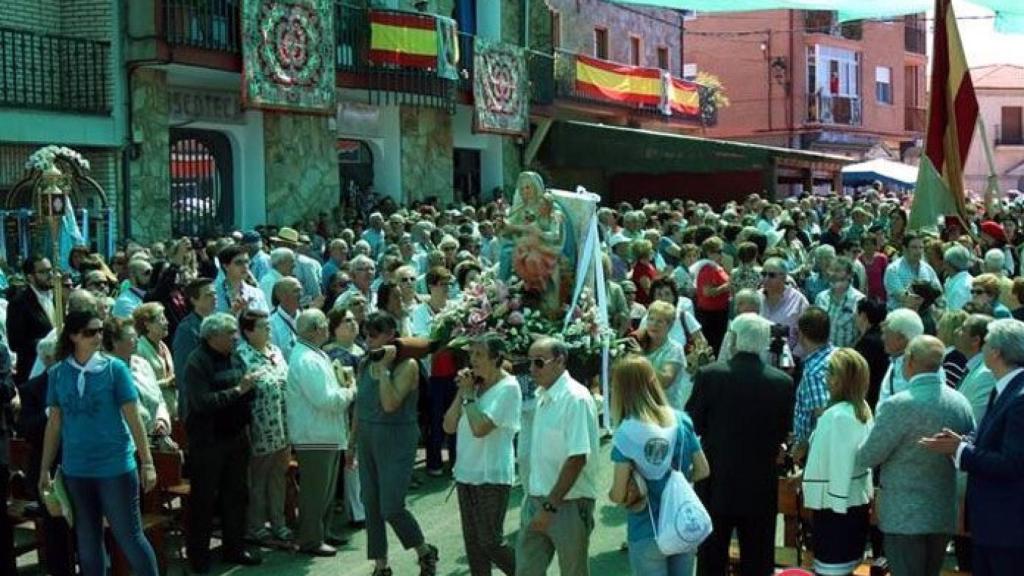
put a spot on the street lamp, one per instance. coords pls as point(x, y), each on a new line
point(51, 202)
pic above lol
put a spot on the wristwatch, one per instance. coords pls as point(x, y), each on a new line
point(549, 507)
point(468, 400)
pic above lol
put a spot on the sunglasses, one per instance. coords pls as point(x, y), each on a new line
point(772, 274)
point(407, 280)
point(91, 332)
point(539, 363)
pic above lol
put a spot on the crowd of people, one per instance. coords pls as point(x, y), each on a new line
point(815, 337)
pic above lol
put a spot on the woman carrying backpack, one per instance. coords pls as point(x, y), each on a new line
point(651, 441)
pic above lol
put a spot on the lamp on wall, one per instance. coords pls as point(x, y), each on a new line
point(779, 68)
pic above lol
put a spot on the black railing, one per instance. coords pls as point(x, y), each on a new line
point(1009, 137)
point(541, 68)
point(828, 109)
point(466, 51)
point(206, 24)
point(50, 72)
point(915, 40)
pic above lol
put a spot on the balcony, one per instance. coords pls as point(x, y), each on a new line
point(834, 110)
point(1013, 136)
point(203, 24)
point(915, 40)
point(826, 22)
point(915, 119)
point(49, 72)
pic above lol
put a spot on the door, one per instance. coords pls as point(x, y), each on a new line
point(466, 177)
point(355, 174)
point(202, 190)
point(1013, 129)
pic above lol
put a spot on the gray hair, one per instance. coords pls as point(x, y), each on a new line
point(749, 297)
point(281, 255)
point(927, 352)
point(217, 324)
point(753, 332)
point(555, 345)
point(957, 257)
point(310, 321)
point(904, 322)
point(776, 263)
point(995, 260)
point(824, 251)
point(1007, 337)
point(359, 261)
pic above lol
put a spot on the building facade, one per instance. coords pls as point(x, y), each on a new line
point(802, 79)
point(1000, 92)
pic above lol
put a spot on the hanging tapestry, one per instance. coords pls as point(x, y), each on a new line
point(447, 48)
point(288, 55)
point(500, 90)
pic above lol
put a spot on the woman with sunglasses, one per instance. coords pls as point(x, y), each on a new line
point(346, 352)
point(94, 420)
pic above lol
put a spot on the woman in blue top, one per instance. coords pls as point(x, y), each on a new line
point(651, 439)
point(94, 418)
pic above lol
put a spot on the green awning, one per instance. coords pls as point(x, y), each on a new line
point(618, 149)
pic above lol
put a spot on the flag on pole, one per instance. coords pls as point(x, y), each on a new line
point(952, 115)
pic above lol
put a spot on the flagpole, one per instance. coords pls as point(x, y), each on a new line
point(992, 184)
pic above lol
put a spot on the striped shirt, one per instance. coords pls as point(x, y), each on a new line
point(900, 275)
point(812, 396)
point(842, 312)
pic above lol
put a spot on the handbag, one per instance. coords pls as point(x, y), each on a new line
point(684, 523)
point(698, 355)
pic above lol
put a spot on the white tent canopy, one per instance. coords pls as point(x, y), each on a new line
point(890, 173)
point(1009, 13)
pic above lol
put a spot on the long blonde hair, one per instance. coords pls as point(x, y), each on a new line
point(636, 392)
point(849, 370)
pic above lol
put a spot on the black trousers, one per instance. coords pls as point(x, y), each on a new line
point(992, 561)
point(7, 559)
point(756, 534)
point(219, 472)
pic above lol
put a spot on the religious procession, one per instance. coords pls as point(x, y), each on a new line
point(394, 287)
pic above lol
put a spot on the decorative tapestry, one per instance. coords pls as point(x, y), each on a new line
point(500, 89)
point(288, 55)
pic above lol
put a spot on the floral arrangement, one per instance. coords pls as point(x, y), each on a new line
point(492, 305)
point(44, 158)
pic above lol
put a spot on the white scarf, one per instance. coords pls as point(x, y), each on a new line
point(96, 364)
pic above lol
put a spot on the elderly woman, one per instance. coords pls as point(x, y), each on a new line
point(957, 288)
point(644, 272)
point(120, 341)
point(783, 304)
point(270, 451)
point(985, 291)
point(219, 412)
point(667, 356)
point(234, 293)
point(94, 421)
point(486, 415)
point(713, 292)
point(637, 311)
point(346, 353)
point(151, 326)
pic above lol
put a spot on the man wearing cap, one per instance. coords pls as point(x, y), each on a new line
point(307, 270)
point(259, 260)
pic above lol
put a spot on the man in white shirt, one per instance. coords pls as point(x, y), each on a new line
point(139, 273)
point(558, 513)
point(958, 285)
point(282, 263)
point(283, 334)
point(900, 327)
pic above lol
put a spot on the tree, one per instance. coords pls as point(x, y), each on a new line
point(712, 99)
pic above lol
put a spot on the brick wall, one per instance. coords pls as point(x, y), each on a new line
point(86, 19)
point(40, 16)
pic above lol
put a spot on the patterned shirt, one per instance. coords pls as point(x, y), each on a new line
point(812, 395)
point(899, 276)
point(267, 430)
point(841, 314)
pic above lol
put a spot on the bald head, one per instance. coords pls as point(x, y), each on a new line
point(924, 354)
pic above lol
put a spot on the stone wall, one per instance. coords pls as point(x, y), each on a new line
point(301, 166)
point(427, 154)
point(512, 163)
point(150, 170)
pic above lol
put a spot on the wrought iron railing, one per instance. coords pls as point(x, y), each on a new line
point(50, 72)
point(915, 40)
point(541, 68)
point(205, 24)
point(914, 119)
point(829, 109)
point(1012, 137)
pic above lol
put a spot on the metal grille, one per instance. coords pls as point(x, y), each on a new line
point(200, 182)
point(54, 72)
point(208, 24)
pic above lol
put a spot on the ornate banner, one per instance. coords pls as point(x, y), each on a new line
point(288, 55)
point(500, 90)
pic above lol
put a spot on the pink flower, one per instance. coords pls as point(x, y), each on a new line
point(516, 319)
point(477, 317)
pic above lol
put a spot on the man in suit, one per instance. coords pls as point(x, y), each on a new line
point(742, 410)
point(994, 458)
point(32, 314)
point(917, 501)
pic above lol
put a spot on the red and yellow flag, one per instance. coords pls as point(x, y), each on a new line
point(617, 82)
point(952, 115)
point(403, 39)
point(684, 97)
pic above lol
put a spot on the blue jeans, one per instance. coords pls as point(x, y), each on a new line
point(646, 560)
point(116, 499)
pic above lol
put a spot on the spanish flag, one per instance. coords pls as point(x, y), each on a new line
point(603, 80)
point(684, 97)
point(403, 39)
point(952, 116)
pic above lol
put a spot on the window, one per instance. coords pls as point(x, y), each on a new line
point(1012, 130)
point(601, 43)
point(635, 46)
point(883, 85)
point(663, 61)
point(689, 71)
point(835, 71)
point(556, 30)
